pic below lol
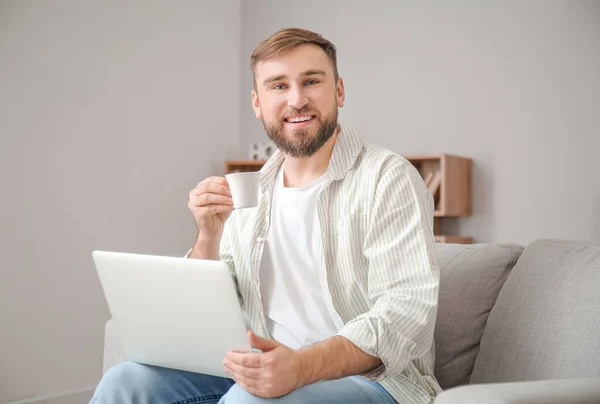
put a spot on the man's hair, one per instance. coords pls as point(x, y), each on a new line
point(287, 39)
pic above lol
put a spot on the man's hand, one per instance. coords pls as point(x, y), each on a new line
point(278, 370)
point(211, 205)
point(273, 373)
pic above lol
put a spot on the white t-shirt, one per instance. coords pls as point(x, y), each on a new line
point(291, 292)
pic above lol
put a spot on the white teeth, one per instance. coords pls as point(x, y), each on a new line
point(299, 119)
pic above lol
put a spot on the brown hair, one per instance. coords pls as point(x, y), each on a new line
point(287, 39)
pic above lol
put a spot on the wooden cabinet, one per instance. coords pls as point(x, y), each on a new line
point(240, 166)
point(447, 176)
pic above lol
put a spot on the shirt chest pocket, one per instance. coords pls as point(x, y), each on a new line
point(346, 262)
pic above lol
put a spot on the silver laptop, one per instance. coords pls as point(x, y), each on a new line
point(173, 312)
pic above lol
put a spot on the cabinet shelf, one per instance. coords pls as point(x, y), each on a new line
point(448, 178)
point(453, 239)
point(240, 166)
point(453, 194)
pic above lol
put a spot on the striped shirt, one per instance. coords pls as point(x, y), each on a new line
point(378, 270)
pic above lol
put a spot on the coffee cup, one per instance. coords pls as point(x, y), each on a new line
point(244, 189)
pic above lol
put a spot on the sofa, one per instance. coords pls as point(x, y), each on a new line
point(515, 324)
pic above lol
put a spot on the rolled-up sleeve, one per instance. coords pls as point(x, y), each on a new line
point(403, 278)
point(225, 252)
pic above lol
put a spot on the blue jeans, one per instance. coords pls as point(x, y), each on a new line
point(133, 383)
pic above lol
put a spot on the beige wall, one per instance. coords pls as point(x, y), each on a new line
point(513, 84)
point(110, 112)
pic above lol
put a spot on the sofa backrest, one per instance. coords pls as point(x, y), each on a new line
point(470, 278)
point(546, 321)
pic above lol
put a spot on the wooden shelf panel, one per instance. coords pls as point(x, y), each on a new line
point(232, 166)
point(245, 162)
point(453, 239)
point(416, 158)
point(425, 157)
point(456, 186)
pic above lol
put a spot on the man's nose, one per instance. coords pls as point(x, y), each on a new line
point(297, 98)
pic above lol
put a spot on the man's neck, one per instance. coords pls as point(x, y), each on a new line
point(299, 172)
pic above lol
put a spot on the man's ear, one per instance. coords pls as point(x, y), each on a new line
point(256, 105)
point(340, 93)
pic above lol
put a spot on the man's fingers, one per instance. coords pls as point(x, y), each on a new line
point(215, 188)
point(248, 373)
point(214, 180)
point(251, 386)
point(211, 199)
point(261, 343)
point(248, 360)
point(210, 189)
point(213, 209)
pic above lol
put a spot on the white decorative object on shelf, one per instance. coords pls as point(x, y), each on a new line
point(262, 151)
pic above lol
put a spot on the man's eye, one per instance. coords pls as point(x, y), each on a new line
point(278, 87)
point(309, 82)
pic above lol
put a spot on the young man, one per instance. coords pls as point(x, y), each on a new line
point(335, 267)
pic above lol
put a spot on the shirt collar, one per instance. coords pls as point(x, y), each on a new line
point(346, 149)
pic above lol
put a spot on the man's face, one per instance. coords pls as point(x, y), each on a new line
point(297, 99)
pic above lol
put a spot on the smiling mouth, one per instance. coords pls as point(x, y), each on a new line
point(299, 119)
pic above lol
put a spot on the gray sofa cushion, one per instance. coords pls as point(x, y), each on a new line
point(557, 391)
point(545, 324)
point(471, 277)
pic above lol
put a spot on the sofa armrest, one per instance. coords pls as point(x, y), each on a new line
point(113, 354)
point(563, 391)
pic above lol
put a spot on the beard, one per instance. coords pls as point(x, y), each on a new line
point(301, 142)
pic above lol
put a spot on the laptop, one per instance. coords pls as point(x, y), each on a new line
point(173, 312)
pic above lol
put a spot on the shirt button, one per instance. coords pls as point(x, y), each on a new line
point(260, 239)
point(256, 281)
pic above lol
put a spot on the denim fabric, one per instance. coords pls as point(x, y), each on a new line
point(133, 383)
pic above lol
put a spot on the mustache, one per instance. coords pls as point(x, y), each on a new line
point(305, 110)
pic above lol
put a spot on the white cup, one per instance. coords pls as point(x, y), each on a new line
point(244, 189)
